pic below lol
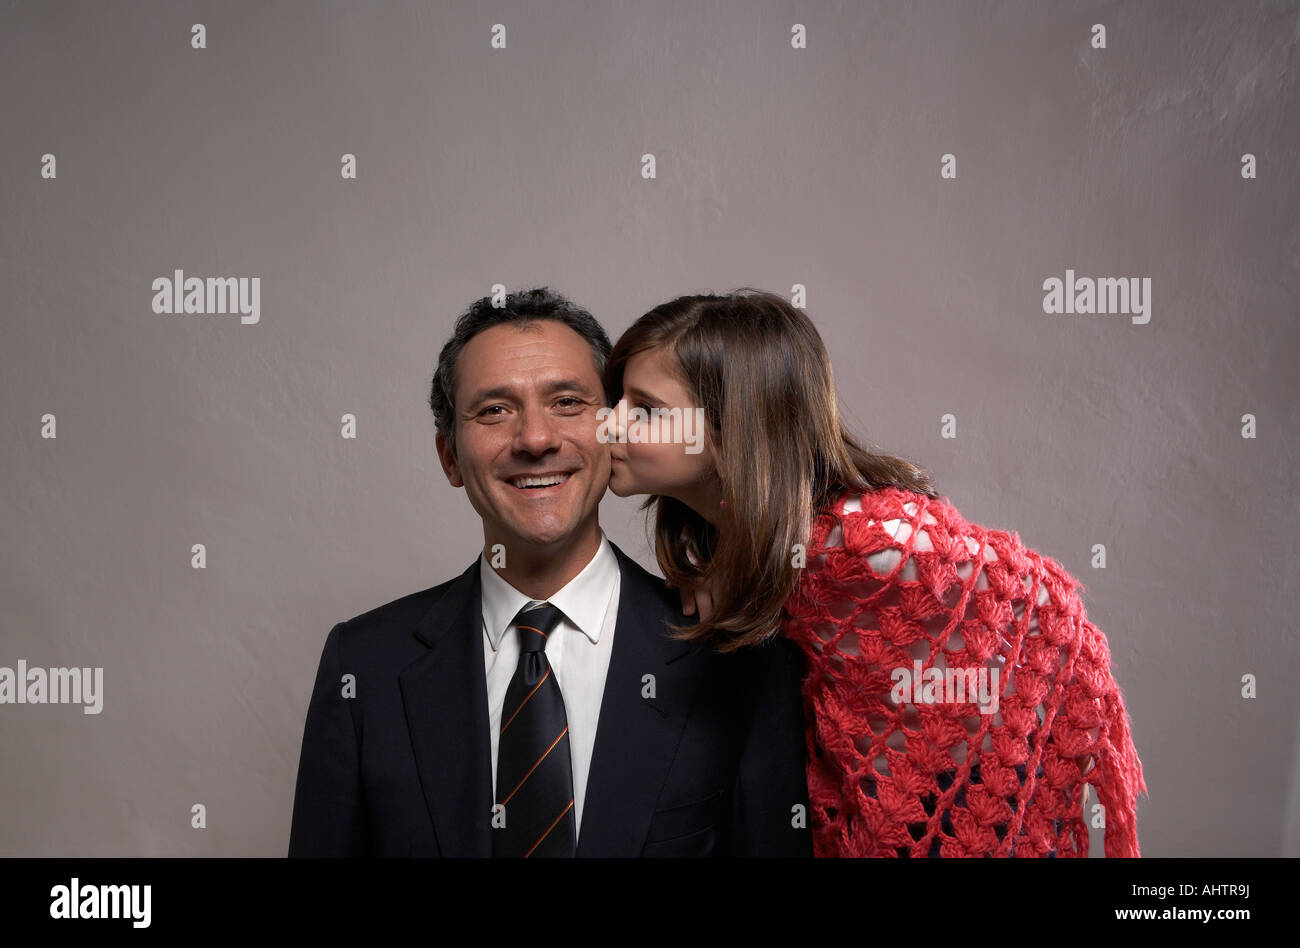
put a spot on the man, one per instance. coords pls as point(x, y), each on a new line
point(535, 705)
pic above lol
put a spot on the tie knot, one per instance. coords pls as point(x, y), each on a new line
point(535, 622)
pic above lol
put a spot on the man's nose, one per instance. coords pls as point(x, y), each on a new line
point(536, 432)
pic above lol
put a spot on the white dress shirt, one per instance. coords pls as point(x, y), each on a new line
point(578, 651)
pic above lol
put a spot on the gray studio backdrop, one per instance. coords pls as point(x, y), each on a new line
point(774, 166)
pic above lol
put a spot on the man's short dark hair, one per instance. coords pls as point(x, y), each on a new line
point(521, 309)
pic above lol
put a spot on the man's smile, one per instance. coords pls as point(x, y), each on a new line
point(540, 484)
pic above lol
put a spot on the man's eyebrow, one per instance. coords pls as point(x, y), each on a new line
point(567, 385)
point(508, 391)
point(484, 394)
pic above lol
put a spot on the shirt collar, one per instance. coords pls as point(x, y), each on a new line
point(584, 600)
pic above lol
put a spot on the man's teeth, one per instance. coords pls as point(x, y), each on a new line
point(548, 481)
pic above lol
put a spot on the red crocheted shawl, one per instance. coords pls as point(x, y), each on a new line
point(897, 611)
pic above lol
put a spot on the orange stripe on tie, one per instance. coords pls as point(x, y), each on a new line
point(525, 701)
point(535, 766)
point(531, 629)
point(548, 830)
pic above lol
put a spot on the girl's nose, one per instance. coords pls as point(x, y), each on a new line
point(618, 420)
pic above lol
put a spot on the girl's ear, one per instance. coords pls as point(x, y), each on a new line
point(709, 457)
point(715, 456)
point(712, 450)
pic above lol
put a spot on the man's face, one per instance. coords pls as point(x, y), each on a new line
point(527, 451)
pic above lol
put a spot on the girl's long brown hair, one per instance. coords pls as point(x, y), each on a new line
point(760, 370)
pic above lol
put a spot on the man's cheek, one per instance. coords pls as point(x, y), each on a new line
point(588, 440)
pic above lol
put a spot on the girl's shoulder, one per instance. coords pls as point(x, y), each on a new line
point(873, 524)
point(889, 526)
point(864, 519)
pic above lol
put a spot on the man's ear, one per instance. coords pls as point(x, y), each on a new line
point(448, 459)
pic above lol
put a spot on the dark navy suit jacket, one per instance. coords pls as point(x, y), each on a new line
point(711, 765)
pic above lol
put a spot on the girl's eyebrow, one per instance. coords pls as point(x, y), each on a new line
point(636, 392)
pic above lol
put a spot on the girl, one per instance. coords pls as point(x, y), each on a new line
point(958, 700)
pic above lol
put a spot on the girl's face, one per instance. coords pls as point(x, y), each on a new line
point(661, 444)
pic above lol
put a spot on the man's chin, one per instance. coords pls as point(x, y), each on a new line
point(547, 535)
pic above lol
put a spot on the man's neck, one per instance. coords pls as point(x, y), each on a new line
point(541, 572)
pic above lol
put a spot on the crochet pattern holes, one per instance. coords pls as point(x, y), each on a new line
point(893, 577)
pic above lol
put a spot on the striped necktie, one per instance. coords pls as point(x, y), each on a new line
point(534, 773)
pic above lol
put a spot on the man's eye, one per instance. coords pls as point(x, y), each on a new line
point(490, 408)
point(568, 401)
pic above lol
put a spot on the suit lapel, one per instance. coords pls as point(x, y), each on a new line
point(444, 694)
point(636, 737)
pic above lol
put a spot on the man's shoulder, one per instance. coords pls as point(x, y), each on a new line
point(646, 583)
point(655, 605)
point(395, 621)
point(402, 611)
